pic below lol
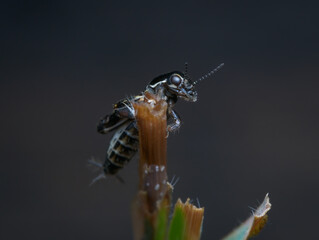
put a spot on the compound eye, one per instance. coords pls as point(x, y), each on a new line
point(176, 80)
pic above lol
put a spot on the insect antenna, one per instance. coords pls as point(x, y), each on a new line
point(186, 70)
point(209, 74)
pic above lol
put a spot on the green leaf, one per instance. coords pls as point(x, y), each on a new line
point(177, 226)
point(161, 224)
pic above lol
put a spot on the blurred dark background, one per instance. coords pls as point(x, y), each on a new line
point(253, 130)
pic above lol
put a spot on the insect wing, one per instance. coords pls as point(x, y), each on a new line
point(110, 123)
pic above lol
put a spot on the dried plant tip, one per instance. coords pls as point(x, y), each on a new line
point(260, 217)
point(253, 225)
point(187, 221)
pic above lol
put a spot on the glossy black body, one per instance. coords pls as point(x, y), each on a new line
point(124, 143)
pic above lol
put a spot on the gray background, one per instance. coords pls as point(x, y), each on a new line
point(253, 130)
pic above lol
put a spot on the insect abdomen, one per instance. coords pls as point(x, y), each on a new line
point(122, 149)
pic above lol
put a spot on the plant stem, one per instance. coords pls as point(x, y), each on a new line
point(151, 205)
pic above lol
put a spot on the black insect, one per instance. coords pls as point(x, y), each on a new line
point(124, 143)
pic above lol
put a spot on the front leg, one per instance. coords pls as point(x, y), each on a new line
point(176, 121)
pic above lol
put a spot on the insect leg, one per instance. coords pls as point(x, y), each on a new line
point(176, 121)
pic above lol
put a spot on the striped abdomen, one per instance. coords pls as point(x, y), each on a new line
point(123, 146)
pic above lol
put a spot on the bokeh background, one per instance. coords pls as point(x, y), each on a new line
point(253, 130)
